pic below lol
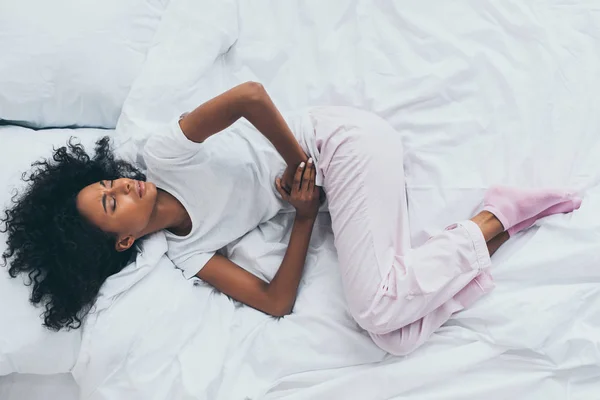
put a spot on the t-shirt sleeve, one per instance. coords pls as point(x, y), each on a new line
point(171, 143)
point(194, 264)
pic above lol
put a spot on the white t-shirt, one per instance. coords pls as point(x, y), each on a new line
point(226, 184)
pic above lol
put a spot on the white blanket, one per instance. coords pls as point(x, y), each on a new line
point(482, 93)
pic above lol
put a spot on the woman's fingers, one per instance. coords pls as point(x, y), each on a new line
point(313, 173)
point(306, 175)
point(284, 195)
point(298, 178)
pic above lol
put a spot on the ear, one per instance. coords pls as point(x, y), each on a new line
point(124, 243)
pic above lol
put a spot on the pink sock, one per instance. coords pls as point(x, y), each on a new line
point(560, 208)
point(514, 205)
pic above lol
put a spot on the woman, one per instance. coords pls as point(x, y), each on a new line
point(208, 185)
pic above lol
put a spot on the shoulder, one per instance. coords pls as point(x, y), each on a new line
point(169, 143)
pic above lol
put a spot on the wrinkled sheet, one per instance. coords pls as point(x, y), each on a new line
point(482, 93)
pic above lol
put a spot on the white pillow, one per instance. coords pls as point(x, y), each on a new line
point(25, 345)
point(72, 62)
point(183, 68)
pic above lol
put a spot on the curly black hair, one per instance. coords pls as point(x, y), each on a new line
point(66, 258)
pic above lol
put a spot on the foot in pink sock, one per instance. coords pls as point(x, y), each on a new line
point(514, 205)
point(560, 208)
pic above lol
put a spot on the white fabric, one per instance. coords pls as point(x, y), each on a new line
point(226, 184)
point(200, 32)
point(398, 293)
point(482, 93)
point(38, 387)
point(71, 63)
point(150, 252)
point(25, 345)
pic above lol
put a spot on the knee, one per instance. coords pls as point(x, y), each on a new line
point(365, 322)
point(397, 343)
point(404, 348)
point(368, 321)
point(385, 315)
point(375, 322)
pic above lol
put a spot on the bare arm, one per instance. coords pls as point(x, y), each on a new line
point(277, 297)
point(251, 101)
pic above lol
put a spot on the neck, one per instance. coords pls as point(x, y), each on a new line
point(168, 213)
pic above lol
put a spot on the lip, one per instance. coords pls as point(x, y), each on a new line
point(141, 188)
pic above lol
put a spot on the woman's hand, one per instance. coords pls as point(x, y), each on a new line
point(304, 194)
point(287, 179)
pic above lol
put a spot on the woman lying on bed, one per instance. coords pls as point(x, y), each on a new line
point(78, 220)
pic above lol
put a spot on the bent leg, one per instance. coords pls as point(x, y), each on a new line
point(423, 279)
point(387, 284)
point(408, 338)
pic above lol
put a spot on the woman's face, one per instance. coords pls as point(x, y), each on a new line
point(122, 207)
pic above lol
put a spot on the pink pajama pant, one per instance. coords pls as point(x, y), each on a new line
point(398, 294)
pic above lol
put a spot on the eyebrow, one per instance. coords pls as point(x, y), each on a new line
point(104, 198)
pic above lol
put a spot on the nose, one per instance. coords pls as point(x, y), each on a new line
point(121, 186)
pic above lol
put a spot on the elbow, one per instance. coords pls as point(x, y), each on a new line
point(254, 92)
point(280, 309)
point(277, 303)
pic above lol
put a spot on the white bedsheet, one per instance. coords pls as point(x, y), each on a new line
point(482, 93)
point(38, 387)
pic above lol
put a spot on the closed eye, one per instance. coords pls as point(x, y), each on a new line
point(114, 198)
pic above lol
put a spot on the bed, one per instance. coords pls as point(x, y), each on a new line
point(482, 92)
